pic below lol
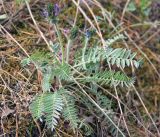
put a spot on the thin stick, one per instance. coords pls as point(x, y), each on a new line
point(122, 112)
point(146, 109)
point(99, 30)
point(124, 10)
point(143, 54)
point(2, 28)
point(42, 35)
point(99, 107)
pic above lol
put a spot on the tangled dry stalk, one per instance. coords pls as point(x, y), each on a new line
point(24, 31)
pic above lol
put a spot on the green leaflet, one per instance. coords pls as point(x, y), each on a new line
point(48, 105)
point(62, 71)
point(119, 57)
point(110, 77)
point(70, 112)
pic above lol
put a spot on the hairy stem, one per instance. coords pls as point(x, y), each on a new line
point(69, 44)
point(84, 51)
point(60, 41)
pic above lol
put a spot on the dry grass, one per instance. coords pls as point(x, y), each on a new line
point(25, 31)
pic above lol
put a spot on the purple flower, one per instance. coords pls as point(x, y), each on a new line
point(45, 13)
point(66, 31)
point(88, 34)
point(56, 9)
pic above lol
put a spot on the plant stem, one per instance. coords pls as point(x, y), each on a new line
point(84, 51)
point(69, 44)
point(60, 41)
